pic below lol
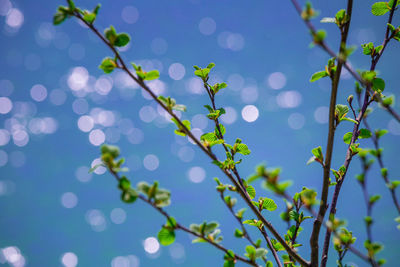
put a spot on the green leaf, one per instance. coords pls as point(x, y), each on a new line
point(242, 149)
point(208, 137)
point(229, 263)
point(111, 34)
point(251, 191)
point(364, 133)
point(240, 213)
point(143, 187)
point(380, 8)
point(374, 198)
point(379, 133)
point(122, 39)
point(108, 65)
point(378, 49)
point(152, 75)
point(171, 222)
point(129, 196)
point(211, 65)
point(210, 227)
point(229, 258)
point(347, 137)
point(162, 197)
point(166, 236)
point(368, 75)
point(202, 73)
point(180, 131)
point(393, 184)
point(388, 101)
point(341, 110)
point(341, 17)
point(124, 183)
point(238, 233)
point(317, 152)
point(251, 252)
point(59, 18)
point(89, 17)
point(269, 204)
point(368, 220)
point(252, 222)
point(350, 120)
point(291, 231)
point(222, 128)
point(109, 149)
point(318, 75)
point(378, 85)
point(319, 36)
point(368, 48)
point(96, 9)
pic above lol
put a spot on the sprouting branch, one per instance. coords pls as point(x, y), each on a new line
point(211, 95)
point(244, 231)
point(344, 30)
point(212, 156)
point(183, 228)
point(324, 46)
point(239, 220)
point(349, 153)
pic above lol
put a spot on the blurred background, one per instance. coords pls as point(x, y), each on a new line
point(57, 108)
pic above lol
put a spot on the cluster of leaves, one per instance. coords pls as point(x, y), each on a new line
point(158, 196)
point(271, 179)
point(206, 230)
point(64, 12)
point(340, 18)
point(254, 253)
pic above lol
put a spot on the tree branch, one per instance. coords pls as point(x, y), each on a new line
point(331, 135)
point(183, 228)
point(349, 153)
point(241, 191)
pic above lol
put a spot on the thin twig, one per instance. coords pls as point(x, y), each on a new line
point(364, 188)
point(382, 166)
point(239, 220)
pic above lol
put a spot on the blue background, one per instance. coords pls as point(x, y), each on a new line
point(35, 175)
